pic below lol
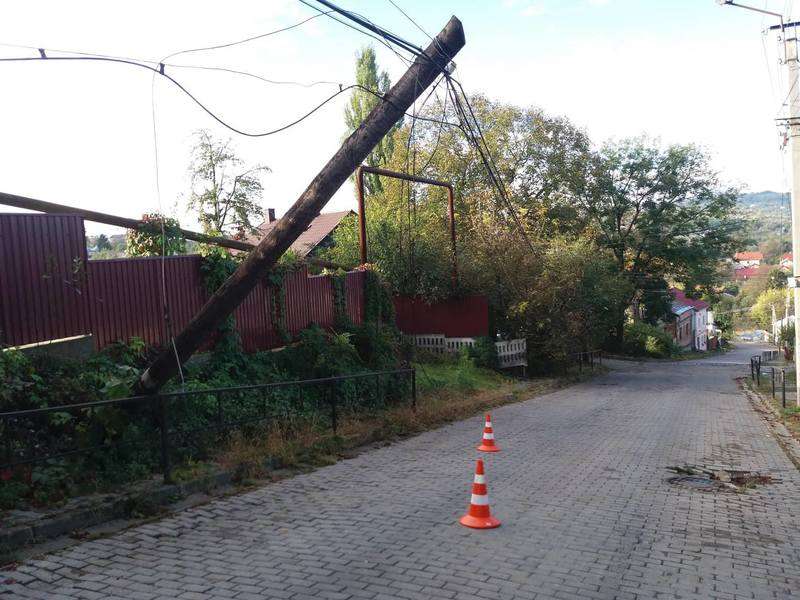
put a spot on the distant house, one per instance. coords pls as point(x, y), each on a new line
point(699, 336)
point(681, 328)
point(786, 262)
point(317, 236)
point(743, 260)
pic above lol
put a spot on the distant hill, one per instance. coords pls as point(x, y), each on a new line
point(766, 200)
point(770, 222)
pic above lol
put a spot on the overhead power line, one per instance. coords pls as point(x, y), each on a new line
point(471, 126)
point(365, 23)
point(160, 70)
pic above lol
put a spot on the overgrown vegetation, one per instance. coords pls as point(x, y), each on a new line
point(158, 235)
point(591, 231)
point(125, 438)
point(643, 339)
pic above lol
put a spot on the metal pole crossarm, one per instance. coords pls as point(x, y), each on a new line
point(783, 25)
point(753, 8)
point(355, 149)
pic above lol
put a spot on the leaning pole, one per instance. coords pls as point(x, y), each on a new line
point(350, 155)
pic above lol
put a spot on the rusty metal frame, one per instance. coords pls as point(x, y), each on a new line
point(362, 218)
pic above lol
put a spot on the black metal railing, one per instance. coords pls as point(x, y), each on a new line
point(586, 359)
point(755, 368)
point(159, 428)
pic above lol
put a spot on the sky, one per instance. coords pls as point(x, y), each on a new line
point(82, 133)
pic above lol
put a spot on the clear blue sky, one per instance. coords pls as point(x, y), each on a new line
point(679, 70)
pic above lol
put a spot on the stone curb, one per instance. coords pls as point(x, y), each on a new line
point(789, 444)
point(49, 527)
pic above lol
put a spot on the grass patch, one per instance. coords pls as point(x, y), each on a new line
point(790, 416)
point(448, 390)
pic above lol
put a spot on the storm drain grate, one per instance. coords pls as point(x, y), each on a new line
point(711, 479)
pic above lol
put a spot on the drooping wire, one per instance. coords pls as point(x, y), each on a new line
point(197, 101)
point(246, 40)
point(381, 40)
point(365, 23)
point(164, 297)
point(471, 126)
point(407, 16)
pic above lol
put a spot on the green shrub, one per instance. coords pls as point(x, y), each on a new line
point(484, 353)
point(642, 339)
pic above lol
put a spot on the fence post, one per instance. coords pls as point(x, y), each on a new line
point(332, 400)
point(414, 389)
point(580, 363)
point(591, 360)
point(758, 372)
point(783, 388)
point(773, 382)
point(166, 468)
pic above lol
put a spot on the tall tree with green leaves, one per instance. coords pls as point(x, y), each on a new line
point(225, 193)
point(661, 211)
point(362, 102)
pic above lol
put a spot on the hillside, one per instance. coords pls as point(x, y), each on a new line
point(770, 222)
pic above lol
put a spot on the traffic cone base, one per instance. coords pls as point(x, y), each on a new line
point(487, 443)
point(479, 522)
point(485, 448)
point(478, 515)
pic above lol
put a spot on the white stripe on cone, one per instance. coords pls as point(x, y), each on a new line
point(480, 478)
point(480, 500)
point(488, 436)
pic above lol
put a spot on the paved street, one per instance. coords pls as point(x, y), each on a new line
point(580, 487)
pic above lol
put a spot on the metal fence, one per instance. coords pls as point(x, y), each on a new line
point(168, 428)
point(586, 359)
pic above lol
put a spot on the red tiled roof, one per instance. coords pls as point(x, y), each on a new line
point(321, 227)
point(748, 256)
point(787, 256)
point(681, 298)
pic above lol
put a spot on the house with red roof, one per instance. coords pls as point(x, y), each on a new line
point(699, 320)
point(786, 262)
point(743, 260)
point(317, 236)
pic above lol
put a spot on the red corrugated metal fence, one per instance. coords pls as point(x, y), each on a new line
point(48, 290)
point(43, 291)
point(457, 317)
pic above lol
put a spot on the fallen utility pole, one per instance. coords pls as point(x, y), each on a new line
point(98, 217)
point(107, 219)
point(350, 155)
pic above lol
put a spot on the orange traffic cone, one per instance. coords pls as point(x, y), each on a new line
point(478, 515)
point(487, 445)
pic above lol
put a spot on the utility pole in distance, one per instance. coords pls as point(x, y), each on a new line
point(790, 58)
point(431, 62)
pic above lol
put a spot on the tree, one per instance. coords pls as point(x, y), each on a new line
point(102, 242)
point(224, 194)
point(157, 236)
point(662, 212)
point(777, 279)
point(360, 105)
point(762, 310)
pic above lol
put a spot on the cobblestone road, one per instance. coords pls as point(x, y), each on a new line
point(579, 486)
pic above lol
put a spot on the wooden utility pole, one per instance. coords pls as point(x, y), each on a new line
point(353, 151)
